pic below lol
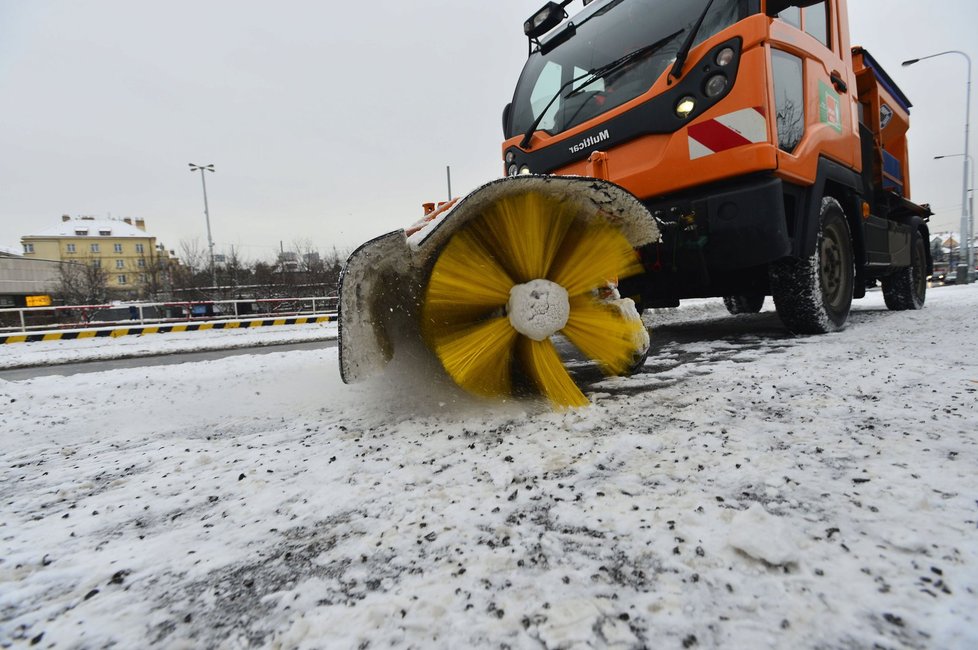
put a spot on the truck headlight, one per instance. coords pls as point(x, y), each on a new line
point(715, 85)
point(685, 106)
point(725, 57)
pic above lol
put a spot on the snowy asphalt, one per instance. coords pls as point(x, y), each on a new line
point(149, 360)
point(747, 490)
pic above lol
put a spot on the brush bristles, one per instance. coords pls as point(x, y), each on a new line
point(516, 240)
point(543, 364)
point(592, 257)
point(478, 359)
point(601, 332)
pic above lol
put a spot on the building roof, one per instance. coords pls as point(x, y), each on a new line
point(92, 228)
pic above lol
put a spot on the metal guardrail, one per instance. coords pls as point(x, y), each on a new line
point(26, 319)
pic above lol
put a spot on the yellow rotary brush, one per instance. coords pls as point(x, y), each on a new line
point(524, 270)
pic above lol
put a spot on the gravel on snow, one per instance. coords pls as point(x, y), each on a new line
point(748, 489)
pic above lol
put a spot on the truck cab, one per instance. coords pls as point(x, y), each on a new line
point(771, 153)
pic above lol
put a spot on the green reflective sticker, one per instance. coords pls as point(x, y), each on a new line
point(829, 106)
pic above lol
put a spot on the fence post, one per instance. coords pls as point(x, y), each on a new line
point(23, 325)
point(141, 321)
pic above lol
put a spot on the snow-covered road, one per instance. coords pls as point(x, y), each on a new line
point(748, 490)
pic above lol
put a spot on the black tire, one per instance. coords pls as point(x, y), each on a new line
point(814, 295)
point(907, 288)
point(749, 304)
point(638, 362)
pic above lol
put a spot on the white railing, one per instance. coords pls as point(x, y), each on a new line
point(26, 319)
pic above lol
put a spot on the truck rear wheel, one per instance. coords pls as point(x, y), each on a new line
point(747, 304)
point(814, 295)
point(907, 288)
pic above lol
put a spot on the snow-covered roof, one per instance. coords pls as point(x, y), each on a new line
point(92, 228)
point(10, 251)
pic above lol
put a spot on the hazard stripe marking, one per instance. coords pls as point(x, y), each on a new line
point(159, 329)
point(716, 136)
point(697, 150)
point(737, 129)
point(749, 123)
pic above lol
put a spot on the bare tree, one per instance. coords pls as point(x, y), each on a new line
point(194, 272)
point(791, 124)
point(265, 278)
point(332, 268)
point(153, 269)
point(318, 273)
point(232, 273)
point(82, 284)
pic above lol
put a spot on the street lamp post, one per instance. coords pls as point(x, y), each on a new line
point(971, 202)
point(966, 230)
point(207, 216)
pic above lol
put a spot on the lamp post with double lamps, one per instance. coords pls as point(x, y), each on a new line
point(966, 232)
point(971, 204)
point(207, 216)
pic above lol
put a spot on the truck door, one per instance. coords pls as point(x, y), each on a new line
point(814, 89)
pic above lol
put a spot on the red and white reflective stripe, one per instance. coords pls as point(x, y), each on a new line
point(747, 126)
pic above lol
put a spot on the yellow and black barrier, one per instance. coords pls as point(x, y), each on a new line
point(116, 332)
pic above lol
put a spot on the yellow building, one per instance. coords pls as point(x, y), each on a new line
point(134, 263)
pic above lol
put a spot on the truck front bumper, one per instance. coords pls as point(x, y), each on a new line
point(712, 237)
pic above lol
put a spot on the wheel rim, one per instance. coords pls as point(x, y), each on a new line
point(467, 317)
point(832, 269)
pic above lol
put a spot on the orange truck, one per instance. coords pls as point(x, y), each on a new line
point(742, 148)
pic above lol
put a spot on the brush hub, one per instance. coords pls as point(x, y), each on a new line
point(538, 309)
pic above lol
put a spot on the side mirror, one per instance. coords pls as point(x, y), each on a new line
point(774, 7)
point(506, 112)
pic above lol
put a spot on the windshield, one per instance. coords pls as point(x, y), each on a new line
point(606, 31)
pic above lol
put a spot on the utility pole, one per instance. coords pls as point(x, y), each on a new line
point(207, 217)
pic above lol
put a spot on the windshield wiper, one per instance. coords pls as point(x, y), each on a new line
point(594, 75)
point(677, 68)
point(608, 68)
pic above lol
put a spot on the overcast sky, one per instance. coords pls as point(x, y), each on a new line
point(328, 121)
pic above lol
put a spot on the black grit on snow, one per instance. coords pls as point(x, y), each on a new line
point(747, 489)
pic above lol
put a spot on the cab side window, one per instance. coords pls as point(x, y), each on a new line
point(789, 95)
point(816, 20)
point(813, 20)
point(792, 16)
